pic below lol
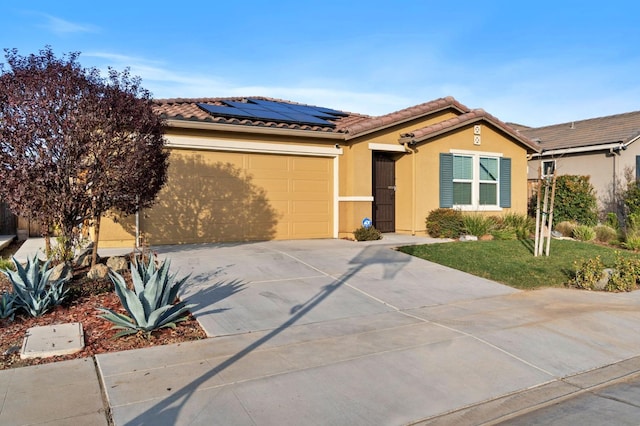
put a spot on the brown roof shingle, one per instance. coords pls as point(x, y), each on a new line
point(475, 115)
point(620, 128)
point(375, 123)
point(187, 109)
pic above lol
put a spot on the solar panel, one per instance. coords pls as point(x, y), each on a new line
point(244, 105)
point(273, 115)
point(312, 110)
point(258, 109)
point(225, 111)
point(307, 119)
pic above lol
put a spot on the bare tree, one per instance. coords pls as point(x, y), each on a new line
point(74, 145)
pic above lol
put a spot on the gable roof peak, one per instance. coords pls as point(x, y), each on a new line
point(373, 124)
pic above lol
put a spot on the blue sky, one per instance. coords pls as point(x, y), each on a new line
point(534, 63)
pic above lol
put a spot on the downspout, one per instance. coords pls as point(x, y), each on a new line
point(413, 187)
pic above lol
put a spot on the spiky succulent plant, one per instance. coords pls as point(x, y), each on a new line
point(34, 292)
point(152, 304)
point(7, 305)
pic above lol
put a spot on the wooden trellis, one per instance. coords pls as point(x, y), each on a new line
point(544, 216)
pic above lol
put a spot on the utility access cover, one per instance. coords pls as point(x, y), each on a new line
point(52, 340)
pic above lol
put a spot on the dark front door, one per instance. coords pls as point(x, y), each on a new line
point(384, 192)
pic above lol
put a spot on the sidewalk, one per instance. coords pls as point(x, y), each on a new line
point(5, 240)
point(33, 246)
point(334, 332)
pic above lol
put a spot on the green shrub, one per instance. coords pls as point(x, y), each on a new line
point(445, 223)
point(522, 224)
point(34, 292)
point(632, 240)
point(152, 304)
point(631, 198)
point(605, 233)
point(584, 233)
point(612, 221)
point(478, 225)
point(588, 273)
point(566, 228)
point(625, 274)
point(575, 200)
point(367, 234)
point(504, 234)
point(6, 264)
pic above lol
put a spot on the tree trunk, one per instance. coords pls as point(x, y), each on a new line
point(44, 229)
point(96, 237)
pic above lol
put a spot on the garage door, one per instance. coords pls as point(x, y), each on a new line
point(226, 196)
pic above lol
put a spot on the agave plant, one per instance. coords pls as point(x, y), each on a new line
point(7, 306)
point(152, 304)
point(33, 290)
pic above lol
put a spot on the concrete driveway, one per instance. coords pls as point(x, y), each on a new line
point(338, 332)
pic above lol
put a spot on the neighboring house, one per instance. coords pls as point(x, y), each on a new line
point(258, 168)
point(602, 148)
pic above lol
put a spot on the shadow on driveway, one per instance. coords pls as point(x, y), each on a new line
point(167, 410)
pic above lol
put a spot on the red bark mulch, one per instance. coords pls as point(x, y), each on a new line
point(81, 306)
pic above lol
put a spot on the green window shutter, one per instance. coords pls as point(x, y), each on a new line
point(446, 180)
point(505, 182)
point(637, 167)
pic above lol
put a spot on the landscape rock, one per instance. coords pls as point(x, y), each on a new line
point(117, 263)
point(62, 271)
point(99, 271)
point(468, 238)
point(83, 258)
point(604, 279)
point(486, 237)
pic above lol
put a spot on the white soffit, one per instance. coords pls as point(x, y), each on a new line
point(244, 146)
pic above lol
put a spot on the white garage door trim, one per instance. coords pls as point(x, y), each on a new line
point(185, 142)
point(243, 146)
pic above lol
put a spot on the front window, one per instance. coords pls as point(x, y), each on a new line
point(476, 180)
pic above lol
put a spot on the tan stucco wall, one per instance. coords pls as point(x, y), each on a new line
point(179, 214)
point(603, 168)
point(214, 195)
point(356, 170)
point(492, 142)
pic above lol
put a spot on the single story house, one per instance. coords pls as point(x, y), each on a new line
point(603, 148)
point(259, 168)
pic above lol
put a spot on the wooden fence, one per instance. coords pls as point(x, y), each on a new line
point(8, 221)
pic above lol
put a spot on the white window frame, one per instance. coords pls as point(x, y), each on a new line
point(543, 169)
point(475, 182)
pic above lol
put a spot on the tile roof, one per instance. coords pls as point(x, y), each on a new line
point(620, 128)
point(475, 115)
point(188, 110)
point(352, 125)
point(360, 127)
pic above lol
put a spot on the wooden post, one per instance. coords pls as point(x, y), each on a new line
point(537, 235)
point(553, 196)
point(545, 205)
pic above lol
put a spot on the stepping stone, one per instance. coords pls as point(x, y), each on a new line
point(52, 340)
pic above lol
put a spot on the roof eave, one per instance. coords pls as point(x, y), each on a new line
point(513, 134)
point(402, 121)
point(581, 149)
point(222, 127)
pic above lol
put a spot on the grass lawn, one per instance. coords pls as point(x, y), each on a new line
point(513, 263)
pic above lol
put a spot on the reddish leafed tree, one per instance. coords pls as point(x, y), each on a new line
point(75, 145)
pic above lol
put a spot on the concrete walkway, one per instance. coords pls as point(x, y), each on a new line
point(36, 246)
point(5, 240)
point(338, 332)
